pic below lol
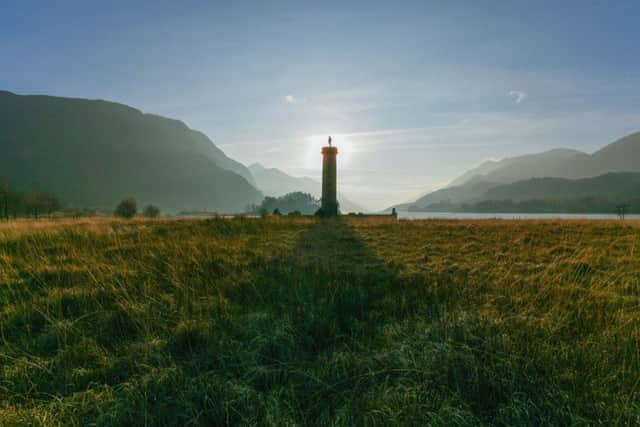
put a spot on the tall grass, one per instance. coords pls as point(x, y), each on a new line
point(301, 322)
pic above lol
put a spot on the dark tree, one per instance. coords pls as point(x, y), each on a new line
point(32, 205)
point(621, 210)
point(49, 203)
point(151, 211)
point(15, 202)
point(128, 208)
point(4, 201)
point(37, 204)
point(301, 202)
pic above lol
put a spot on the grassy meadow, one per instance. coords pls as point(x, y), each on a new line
point(297, 321)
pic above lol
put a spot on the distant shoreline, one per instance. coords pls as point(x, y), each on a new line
point(508, 215)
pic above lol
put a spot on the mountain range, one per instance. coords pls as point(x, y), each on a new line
point(619, 156)
point(94, 153)
point(488, 180)
point(610, 186)
point(276, 183)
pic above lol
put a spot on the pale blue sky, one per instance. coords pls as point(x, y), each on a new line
point(415, 92)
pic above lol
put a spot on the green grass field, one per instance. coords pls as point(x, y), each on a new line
point(303, 322)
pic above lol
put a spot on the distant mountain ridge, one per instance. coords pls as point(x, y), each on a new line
point(276, 183)
point(619, 156)
point(511, 169)
point(602, 194)
point(93, 153)
point(610, 186)
point(623, 155)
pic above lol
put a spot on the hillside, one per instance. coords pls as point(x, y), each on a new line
point(470, 192)
point(559, 162)
point(611, 186)
point(601, 194)
point(619, 156)
point(94, 153)
point(276, 183)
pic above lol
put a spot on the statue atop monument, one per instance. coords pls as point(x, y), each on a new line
point(329, 141)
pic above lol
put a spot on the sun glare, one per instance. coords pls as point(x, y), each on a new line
point(314, 144)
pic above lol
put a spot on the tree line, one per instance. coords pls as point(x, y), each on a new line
point(14, 204)
point(291, 203)
point(35, 204)
point(128, 208)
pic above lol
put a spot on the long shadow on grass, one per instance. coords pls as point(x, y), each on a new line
point(330, 289)
point(329, 334)
point(323, 334)
point(299, 343)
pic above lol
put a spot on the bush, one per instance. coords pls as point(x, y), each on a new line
point(151, 211)
point(128, 208)
point(302, 202)
point(41, 203)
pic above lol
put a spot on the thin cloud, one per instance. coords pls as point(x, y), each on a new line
point(518, 95)
point(292, 100)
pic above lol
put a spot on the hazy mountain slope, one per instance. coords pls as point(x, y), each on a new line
point(599, 194)
point(214, 153)
point(610, 186)
point(274, 182)
point(458, 194)
point(622, 155)
point(94, 153)
point(619, 156)
point(560, 162)
point(475, 173)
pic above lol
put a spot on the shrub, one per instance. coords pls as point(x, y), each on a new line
point(128, 208)
point(303, 202)
point(151, 211)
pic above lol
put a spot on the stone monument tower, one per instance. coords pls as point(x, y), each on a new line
point(329, 180)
